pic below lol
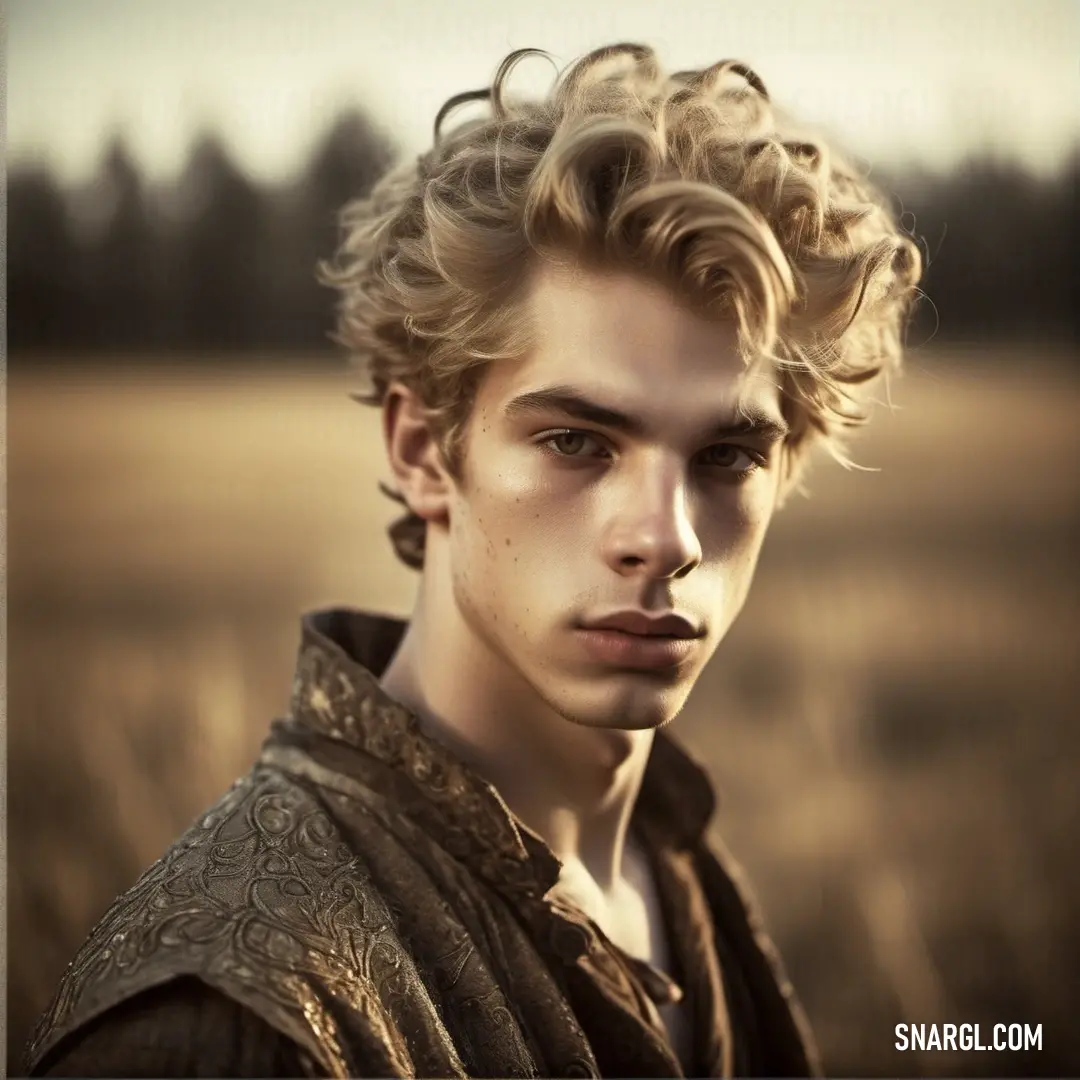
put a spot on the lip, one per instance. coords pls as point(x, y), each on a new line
point(646, 652)
point(635, 639)
point(669, 625)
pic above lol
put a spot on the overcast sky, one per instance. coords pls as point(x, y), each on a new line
point(928, 80)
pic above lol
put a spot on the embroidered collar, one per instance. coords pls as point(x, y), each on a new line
point(336, 693)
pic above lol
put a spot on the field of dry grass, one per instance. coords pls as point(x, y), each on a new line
point(891, 723)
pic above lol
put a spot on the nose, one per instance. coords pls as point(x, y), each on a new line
point(650, 533)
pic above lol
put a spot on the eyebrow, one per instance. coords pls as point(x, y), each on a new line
point(751, 421)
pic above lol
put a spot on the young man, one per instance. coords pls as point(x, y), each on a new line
point(604, 331)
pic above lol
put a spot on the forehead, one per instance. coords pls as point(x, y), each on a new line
point(627, 339)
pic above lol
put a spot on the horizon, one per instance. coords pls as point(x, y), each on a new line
point(160, 78)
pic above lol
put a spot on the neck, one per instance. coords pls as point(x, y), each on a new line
point(572, 785)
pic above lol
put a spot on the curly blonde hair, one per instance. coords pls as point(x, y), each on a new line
point(694, 180)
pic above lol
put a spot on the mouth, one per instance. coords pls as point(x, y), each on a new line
point(613, 647)
point(642, 624)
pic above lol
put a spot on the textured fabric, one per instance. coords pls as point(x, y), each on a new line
point(366, 896)
point(180, 1029)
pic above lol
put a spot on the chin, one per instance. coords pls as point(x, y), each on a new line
point(630, 703)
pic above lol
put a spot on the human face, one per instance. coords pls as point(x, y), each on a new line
point(613, 470)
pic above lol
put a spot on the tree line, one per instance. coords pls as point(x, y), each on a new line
point(216, 263)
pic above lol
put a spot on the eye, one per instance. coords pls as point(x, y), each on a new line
point(574, 444)
point(731, 458)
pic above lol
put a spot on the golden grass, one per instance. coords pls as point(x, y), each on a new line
point(891, 721)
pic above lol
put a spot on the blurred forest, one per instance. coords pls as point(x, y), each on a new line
point(216, 262)
point(891, 723)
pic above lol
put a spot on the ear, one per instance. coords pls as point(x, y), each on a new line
point(415, 458)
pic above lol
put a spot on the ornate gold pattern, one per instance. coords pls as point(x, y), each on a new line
point(370, 897)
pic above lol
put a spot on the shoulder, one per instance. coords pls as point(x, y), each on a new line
point(258, 900)
point(183, 1028)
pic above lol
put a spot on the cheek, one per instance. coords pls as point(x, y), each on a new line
point(510, 561)
point(735, 520)
point(731, 547)
point(517, 507)
point(502, 530)
point(755, 514)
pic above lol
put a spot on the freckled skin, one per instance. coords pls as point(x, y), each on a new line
point(671, 517)
point(649, 527)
